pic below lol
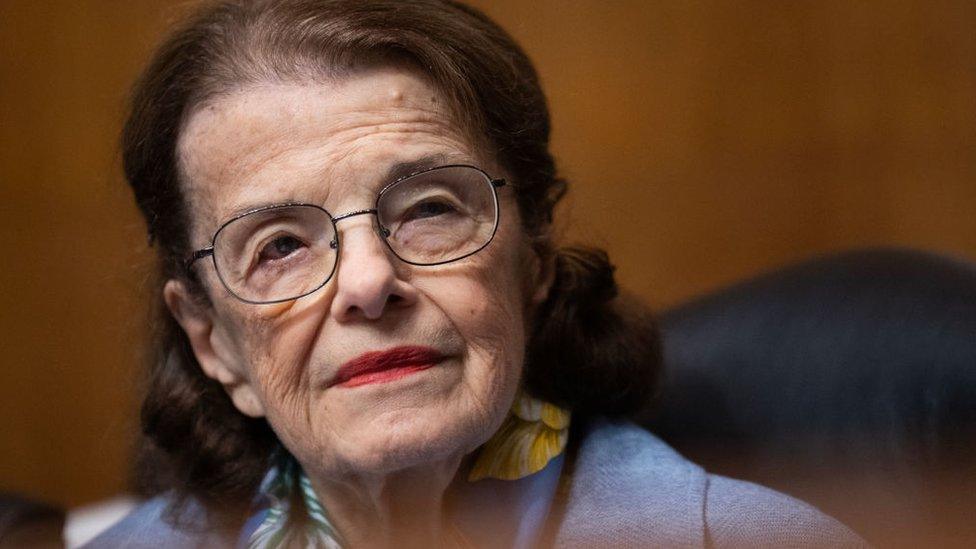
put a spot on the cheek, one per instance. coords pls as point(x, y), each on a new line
point(487, 309)
point(494, 313)
point(278, 344)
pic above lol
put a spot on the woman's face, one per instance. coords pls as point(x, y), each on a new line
point(334, 144)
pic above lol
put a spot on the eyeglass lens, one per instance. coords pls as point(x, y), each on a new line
point(286, 252)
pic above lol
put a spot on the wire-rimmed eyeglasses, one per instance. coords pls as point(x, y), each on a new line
point(286, 251)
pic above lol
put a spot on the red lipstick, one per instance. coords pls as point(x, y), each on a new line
point(381, 366)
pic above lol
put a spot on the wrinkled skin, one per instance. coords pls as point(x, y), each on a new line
point(378, 454)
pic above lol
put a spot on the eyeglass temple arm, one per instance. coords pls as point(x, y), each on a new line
point(199, 254)
point(497, 183)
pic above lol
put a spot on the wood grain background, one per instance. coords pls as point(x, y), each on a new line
point(705, 141)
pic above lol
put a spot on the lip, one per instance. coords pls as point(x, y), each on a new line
point(387, 365)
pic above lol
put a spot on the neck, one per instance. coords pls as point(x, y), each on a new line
point(405, 508)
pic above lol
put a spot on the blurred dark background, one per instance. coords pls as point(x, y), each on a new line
point(705, 141)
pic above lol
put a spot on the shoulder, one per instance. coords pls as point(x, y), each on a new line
point(741, 513)
point(628, 486)
point(157, 523)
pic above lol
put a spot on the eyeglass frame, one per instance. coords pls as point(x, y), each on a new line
point(494, 183)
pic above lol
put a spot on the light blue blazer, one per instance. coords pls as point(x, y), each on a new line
point(626, 488)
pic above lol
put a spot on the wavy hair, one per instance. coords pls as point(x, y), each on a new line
point(589, 350)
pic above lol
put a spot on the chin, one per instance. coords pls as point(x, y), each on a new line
point(406, 439)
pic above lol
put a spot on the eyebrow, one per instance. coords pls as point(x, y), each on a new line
point(247, 208)
point(395, 172)
point(404, 169)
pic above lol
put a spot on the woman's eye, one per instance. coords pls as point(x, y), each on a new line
point(279, 248)
point(428, 209)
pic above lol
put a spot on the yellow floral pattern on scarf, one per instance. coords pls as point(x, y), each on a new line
point(533, 433)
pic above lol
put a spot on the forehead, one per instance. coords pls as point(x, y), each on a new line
point(332, 143)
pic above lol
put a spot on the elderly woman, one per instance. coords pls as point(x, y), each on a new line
point(369, 338)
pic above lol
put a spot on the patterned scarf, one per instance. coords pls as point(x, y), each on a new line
point(277, 529)
point(534, 433)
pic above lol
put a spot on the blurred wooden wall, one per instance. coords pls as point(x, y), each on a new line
point(705, 141)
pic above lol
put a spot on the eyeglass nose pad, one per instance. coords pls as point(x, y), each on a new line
point(384, 232)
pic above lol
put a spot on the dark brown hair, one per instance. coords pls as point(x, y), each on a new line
point(589, 350)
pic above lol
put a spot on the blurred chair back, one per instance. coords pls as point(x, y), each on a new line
point(848, 381)
point(26, 523)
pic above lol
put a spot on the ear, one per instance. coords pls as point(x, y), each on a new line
point(212, 347)
point(543, 271)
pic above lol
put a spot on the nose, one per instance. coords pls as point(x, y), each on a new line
point(367, 281)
